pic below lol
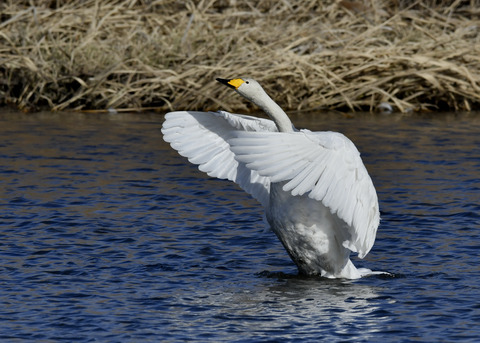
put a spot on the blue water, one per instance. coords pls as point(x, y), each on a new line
point(108, 235)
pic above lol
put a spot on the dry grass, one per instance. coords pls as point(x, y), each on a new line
point(308, 54)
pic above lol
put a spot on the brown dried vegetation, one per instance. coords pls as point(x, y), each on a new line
point(308, 54)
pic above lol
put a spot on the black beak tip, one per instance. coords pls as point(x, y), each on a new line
point(224, 82)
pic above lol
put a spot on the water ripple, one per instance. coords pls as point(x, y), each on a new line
point(108, 235)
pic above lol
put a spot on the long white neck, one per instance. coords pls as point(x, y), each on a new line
point(274, 111)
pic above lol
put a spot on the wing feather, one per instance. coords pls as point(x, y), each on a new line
point(202, 137)
point(326, 166)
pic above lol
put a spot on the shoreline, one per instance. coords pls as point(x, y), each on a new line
point(340, 55)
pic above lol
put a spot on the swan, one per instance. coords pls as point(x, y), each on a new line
point(318, 197)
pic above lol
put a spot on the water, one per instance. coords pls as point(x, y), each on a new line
point(109, 235)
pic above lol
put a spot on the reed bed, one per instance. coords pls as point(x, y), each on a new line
point(308, 54)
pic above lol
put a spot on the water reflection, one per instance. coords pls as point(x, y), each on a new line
point(292, 306)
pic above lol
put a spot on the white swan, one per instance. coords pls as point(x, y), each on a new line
point(318, 197)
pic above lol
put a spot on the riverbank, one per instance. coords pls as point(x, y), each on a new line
point(165, 55)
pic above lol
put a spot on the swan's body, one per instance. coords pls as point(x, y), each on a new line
point(318, 197)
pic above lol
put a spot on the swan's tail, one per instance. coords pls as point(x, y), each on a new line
point(367, 272)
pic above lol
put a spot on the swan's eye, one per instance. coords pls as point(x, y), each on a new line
point(247, 82)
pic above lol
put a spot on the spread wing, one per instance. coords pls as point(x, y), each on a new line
point(326, 166)
point(203, 137)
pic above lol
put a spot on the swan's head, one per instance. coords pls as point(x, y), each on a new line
point(251, 90)
point(248, 88)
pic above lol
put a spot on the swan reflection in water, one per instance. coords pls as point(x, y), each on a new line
point(293, 305)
